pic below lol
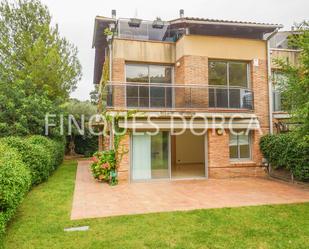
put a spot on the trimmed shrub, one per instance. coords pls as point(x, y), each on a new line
point(33, 156)
point(287, 151)
point(49, 150)
point(15, 181)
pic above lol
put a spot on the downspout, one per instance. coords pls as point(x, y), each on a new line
point(111, 132)
point(270, 95)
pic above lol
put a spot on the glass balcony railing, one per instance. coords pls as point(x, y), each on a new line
point(157, 30)
point(176, 96)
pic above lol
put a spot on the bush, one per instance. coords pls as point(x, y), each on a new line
point(86, 145)
point(59, 145)
point(49, 148)
point(104, 163)
point(33, 156)
point(15, 181)
point(287, 151)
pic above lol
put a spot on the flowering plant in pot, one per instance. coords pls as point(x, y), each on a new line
point(103, 167)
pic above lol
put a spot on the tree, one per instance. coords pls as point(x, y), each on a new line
point(81, 111)
point(38, 67)
point(295, 90)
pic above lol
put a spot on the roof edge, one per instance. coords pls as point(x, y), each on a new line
point(225, 22)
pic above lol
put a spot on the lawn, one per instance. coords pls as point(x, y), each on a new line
point(44, 214)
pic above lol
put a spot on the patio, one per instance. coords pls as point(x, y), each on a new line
point(93, 199)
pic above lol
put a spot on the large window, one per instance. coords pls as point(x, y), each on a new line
point(148, 94)
point(230, 82)
point(240, 147)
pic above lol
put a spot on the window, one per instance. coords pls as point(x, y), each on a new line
point(240, 146)
point(229, 73)
point(217, 73)
point(148, 94)
point(238, 74)
point(278, 80)
point(230, 80)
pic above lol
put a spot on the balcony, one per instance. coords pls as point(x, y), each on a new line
point(173, 97)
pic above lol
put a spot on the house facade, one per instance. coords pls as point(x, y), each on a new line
point(200, 93)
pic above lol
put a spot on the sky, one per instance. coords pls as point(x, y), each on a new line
point(76, 19)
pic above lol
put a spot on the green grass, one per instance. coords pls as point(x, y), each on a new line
point(45, 212)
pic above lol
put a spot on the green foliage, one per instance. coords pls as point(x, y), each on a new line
point(15, 181)
point(24, 161)
point(38, 68)
point(287, 151)
point(104, 164)
point(34, 152)
point(82, 112)
point(295, 90)
point(59, 145)
point(49, 148)
point(86, 145)
point(33, 155)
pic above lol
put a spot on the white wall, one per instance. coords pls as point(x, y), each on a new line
point(189, 148)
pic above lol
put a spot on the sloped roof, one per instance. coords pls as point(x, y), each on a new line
point(227, 22)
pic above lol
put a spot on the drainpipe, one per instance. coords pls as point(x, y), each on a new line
point(270, 94)
point(111, 132)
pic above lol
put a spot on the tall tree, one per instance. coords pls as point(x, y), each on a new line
point(38, 67)
point(295, 89)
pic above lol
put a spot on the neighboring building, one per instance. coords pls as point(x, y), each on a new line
point(281, 49)
point(187, 67)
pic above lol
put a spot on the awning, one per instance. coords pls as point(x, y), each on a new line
point(169, 124)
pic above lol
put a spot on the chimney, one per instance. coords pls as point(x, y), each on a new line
point(114, 14)
point(181, 13)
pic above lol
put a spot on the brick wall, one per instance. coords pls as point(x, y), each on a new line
point(124, 164)
point(191, 70)
point(259, 81)
point(118, 76)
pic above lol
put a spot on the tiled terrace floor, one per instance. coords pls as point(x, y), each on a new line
point(93, 199)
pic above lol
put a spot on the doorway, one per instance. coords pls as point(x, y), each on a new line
point(188, 156)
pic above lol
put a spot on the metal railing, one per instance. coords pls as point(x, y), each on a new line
point(176, 96)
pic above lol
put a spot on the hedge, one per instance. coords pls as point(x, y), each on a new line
point(53, 151)
point(24, 161)
point(287, 151)
point(15, 181)
point(33, 156)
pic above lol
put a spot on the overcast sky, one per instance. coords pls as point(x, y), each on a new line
point(76, 19)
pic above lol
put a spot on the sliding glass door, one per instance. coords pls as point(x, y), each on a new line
point(150, 156)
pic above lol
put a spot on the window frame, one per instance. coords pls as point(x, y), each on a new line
point(248, 63)
point(239, 159)
point(228, 87)
point(148, 65)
